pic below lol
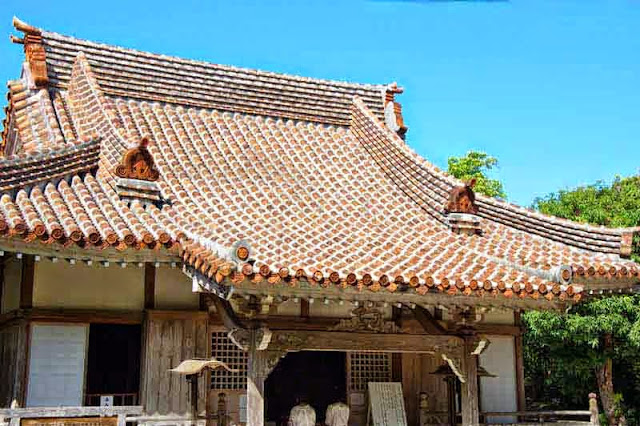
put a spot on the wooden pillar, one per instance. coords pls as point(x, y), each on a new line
point(470, 401)
point(2, 262)
point(255, 382)
point(149, 286)
point(304, 308)
point(26, 281)
point(519, 356)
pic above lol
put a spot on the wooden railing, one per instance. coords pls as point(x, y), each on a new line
point(116, 416)
point(128, 399)
point(101, 416)
point(588, 417)
point(524, 418)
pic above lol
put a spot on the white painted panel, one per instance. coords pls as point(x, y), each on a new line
point(499, 393)
point(56, 365)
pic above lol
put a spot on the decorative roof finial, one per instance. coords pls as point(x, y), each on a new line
point(137, 163)
point(33, 50)
point(393, 110)
point(461, 209)
point(462, 199)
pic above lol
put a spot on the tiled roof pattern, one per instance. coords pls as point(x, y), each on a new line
point(343, 205)
point(313, 202)
point(34, 118)
point(430, 187)
point(26, 171)
point(142, 75)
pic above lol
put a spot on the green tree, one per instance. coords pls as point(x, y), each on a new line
point(476, 164)
point(616, 205)
point(586, 343)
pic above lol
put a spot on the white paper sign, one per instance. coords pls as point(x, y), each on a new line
point(242, 408)
point(386, 404)
point(106, 400)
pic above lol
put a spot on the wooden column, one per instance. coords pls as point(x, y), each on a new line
point(149, 286)
point(519, 356)
point(470, 401)
point(26, 281)
point(304, 308)
point(255, 382)
point(2, 261)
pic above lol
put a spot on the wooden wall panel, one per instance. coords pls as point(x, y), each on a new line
point(169, 340)
point(13, 359)
point(416, 378)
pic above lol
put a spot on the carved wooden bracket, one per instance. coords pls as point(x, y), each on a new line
point(244, 338)
point(137, 163)
point(428, 322)
point(365, 319)
point(34, 51)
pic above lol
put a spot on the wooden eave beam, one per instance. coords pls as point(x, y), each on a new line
point(73, 316)
point(109, 254)
point(307, 291)
point(294, 340)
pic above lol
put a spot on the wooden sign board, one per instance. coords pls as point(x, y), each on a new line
point(71, 421)
point(386, 404)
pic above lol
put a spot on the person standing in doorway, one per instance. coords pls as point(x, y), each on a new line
point(337, 414)
point(302, 414)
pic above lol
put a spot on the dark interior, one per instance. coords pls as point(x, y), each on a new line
point(319, 377)
point(113, 363)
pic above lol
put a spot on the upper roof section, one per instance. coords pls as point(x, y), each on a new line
point(258, 177)
point(131, 73)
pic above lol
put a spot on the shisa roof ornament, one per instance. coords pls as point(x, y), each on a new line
point(461, 209)
point(137, 175)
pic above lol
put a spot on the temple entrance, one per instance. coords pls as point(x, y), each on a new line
point(319, 377)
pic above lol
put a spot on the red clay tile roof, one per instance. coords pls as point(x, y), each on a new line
point(318, 190)
point(141, 75)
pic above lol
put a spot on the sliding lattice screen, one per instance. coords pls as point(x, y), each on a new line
point(223, 349)
point(365, 367)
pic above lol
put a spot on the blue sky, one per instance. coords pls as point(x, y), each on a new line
point(551, 88)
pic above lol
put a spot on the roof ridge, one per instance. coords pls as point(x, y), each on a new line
point(233, 68)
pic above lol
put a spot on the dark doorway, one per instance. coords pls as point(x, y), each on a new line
point(113, 363)
point(320, 377)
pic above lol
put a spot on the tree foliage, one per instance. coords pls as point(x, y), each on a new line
point(595, 344)
point(567, 355)
point(615, 205)
point(476, 164)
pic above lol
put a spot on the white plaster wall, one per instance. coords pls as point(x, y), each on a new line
point(499, 317)
point(11, 293)
point(79, 286)
point(174, 290)
point(499, 393)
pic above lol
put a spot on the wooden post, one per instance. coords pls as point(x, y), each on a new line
point(222, 409)
point(519, 356)
point(2, 262)
point(193, 381)
point(593, 408)
point(149, 286)
point(255, 383)
point(26, 281)
point(470, 401)
point(304, 308)
point(451, 399)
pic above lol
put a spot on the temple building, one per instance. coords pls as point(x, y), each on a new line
point(156, 209)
